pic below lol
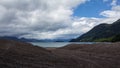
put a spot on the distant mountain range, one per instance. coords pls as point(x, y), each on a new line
point(20, 39)
point(101, 33)
point(33, 40)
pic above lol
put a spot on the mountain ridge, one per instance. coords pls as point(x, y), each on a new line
point(33, 40)
point(102, 31)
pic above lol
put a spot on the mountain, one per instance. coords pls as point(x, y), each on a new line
point(101, 33)
point(20, 39)
point(33, 40)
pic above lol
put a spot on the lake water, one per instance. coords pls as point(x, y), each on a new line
point(57, 44)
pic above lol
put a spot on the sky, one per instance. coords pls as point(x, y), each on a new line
point(55, 19)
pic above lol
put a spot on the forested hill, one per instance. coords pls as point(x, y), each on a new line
point(102, 33)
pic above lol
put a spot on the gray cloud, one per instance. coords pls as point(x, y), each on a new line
point(36, 18)
point(46, 19)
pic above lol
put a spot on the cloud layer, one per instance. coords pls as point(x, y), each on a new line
point(48, 19)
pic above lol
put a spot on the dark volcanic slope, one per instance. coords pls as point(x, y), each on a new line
point(15, 54)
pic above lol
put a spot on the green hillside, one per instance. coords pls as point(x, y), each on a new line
point(101, 33)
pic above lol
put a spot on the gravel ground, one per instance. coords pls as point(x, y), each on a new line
point(14, 54)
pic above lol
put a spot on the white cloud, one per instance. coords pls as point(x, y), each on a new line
point(36, 18)
point(113, 14)
point(48, 19)
point(110, 13)
point(114, 2)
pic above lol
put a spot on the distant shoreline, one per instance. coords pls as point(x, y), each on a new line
point(61, 44)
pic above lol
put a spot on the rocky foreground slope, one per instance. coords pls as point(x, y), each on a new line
point(15, 54)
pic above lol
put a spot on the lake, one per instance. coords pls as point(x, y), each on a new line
point(57, 44)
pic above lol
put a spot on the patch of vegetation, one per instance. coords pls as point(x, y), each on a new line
point(104, 39)
point(115, 38)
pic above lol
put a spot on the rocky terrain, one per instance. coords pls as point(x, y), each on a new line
point(15, 54)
